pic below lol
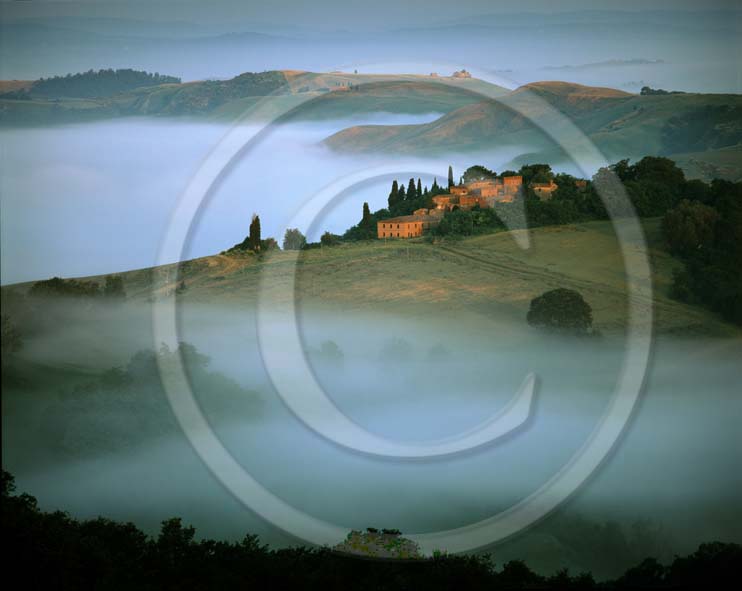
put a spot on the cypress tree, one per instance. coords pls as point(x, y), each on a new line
point(401, 194)
point(254, 238)
point(419, 188)
point(411, 190)
point(366, 219)
point(394, 195)
point(450, 176)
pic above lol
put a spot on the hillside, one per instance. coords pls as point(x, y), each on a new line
point(488, 279)
point(622, 125)
point(322, 95)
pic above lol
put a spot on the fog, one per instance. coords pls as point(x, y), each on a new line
point(96, 198)
point(675, 472)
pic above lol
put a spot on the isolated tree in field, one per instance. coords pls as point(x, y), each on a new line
point(562, 310)
point(254, 236)
point(293, 239)
point(450, 176)
point(114, 287)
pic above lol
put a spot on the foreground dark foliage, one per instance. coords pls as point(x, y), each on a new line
point(55, 551)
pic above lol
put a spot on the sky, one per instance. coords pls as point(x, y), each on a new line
point(330, 14)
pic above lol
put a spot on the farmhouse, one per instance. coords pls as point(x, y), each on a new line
point(406, 226)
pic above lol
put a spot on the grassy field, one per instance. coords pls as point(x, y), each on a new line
point(488, 278)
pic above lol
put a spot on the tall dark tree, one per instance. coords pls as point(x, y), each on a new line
point(254, 237)
point(419, 188)
point(450, 176)
point(411, 190)
point(401, 194)
point(366, 219)
point(394, 195)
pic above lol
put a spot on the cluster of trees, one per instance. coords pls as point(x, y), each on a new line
point(112, 288)
point(210, 94)
point(648, 91)
point(54, 550)
point(103, 83)
point(402, 200)
point(253, 242)
point(650, 188)
point(705, 231)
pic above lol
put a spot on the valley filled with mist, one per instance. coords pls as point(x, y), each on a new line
point(94, 440)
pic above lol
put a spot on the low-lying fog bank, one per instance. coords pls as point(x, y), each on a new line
point(96, 198)
point(92, 441)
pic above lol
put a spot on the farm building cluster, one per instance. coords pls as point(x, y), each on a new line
point(482, 193)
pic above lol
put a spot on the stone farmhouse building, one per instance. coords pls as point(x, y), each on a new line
point(407, 226)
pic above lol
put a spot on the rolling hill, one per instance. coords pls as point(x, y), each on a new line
point(485, 279)
point(321, 95)
point(622, 125)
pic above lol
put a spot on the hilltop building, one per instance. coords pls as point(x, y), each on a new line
point(407, 226)
point(483, 193)
point(544, 190)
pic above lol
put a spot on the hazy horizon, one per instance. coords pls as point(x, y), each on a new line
point(683, 49)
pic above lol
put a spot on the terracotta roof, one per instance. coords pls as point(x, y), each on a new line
point(407, 218)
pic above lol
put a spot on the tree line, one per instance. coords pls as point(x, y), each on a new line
point(52, 550)
point(92, 84)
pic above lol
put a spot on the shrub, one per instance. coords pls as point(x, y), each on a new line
point(293, 239)
point(562, 310)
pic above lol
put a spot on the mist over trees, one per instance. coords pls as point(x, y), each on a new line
point(12, 341)
point(126, 407)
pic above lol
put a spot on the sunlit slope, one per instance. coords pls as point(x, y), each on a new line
point(321, 95)
point(622, 125)
point(488, 276)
